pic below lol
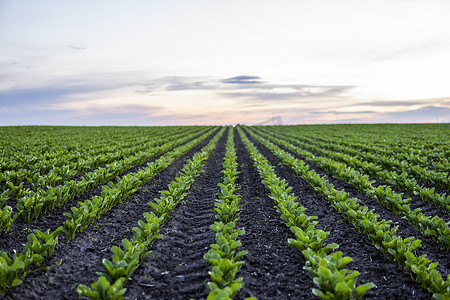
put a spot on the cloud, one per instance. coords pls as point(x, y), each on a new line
point(289, 92)
point(123, 109)
point(37, 97)
point(245, 88)
point(85, 113)
point(262, 95)
point(244, 79)
point(412, 102)
point(428, 112)
point(76, 47)
point(146, 89)
point(334, 112)
point(393, 103)
point(198, 85)
point(104, 99)
point(178, 83)
point(44, 93)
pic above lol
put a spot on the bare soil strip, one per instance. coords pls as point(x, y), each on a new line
point(272, 269)
point(176, 269)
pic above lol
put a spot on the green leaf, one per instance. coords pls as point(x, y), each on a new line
point(16, 282)
point(363, 289)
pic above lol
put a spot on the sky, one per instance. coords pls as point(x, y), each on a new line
point(202, 62)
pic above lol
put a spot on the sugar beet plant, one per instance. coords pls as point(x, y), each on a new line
point(39, 245)
point(223, 255)
point(110, 284)
point(326, 267)
point(6, 218)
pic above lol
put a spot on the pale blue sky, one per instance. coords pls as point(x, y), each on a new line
point(223, 62)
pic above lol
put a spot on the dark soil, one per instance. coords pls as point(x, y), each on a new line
point(175, 269)
point(272, 269)
point(426, 208)
point(55, 218)
point(45, 221)
point(76, 261)
point(435, 252)
point(389, 279)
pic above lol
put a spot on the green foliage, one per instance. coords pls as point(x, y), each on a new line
point(223, 256)
point(398, 249)
point(5, 219)
point(103, 289)
point(125, 260)
point(327, 268)
point(39, 245)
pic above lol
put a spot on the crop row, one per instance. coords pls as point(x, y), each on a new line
point(401, 181)
point(39, 246)
point(432, 226)
point(112, 194)
point(408, 141)
point(45, 148)
point(416, 168)
point(46, 173)
point(343, 154)
point(110, 285)
point(327, 269)
point(92, 210)
point(427, 151)
point(384, 238)
point(42, 201)
point(222, 256)
point(20, 181)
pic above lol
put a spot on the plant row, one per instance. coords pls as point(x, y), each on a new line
point(395, 248)
point(223, 255)
point(389, 161)
point(44, 148)
point(39, 246)
point(110, 284)
point(417, 144)
point(15, 180)
point(31, 206)
point(328, 269)
point(431, 226)
point(399, 181)
point(48, 173)
point(89, 211)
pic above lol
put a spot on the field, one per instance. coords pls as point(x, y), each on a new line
point(266, 212)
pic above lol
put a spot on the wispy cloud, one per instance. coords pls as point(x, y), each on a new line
point(406, 103)
point(67, 101)
point(335, 112)
point(390, 103)
point(108, 99)
point(427, 114)
point(76, 47)
point(243, 87)
point(243, 79)
point(40, 96)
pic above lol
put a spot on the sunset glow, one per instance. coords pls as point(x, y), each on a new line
point(223, 62)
